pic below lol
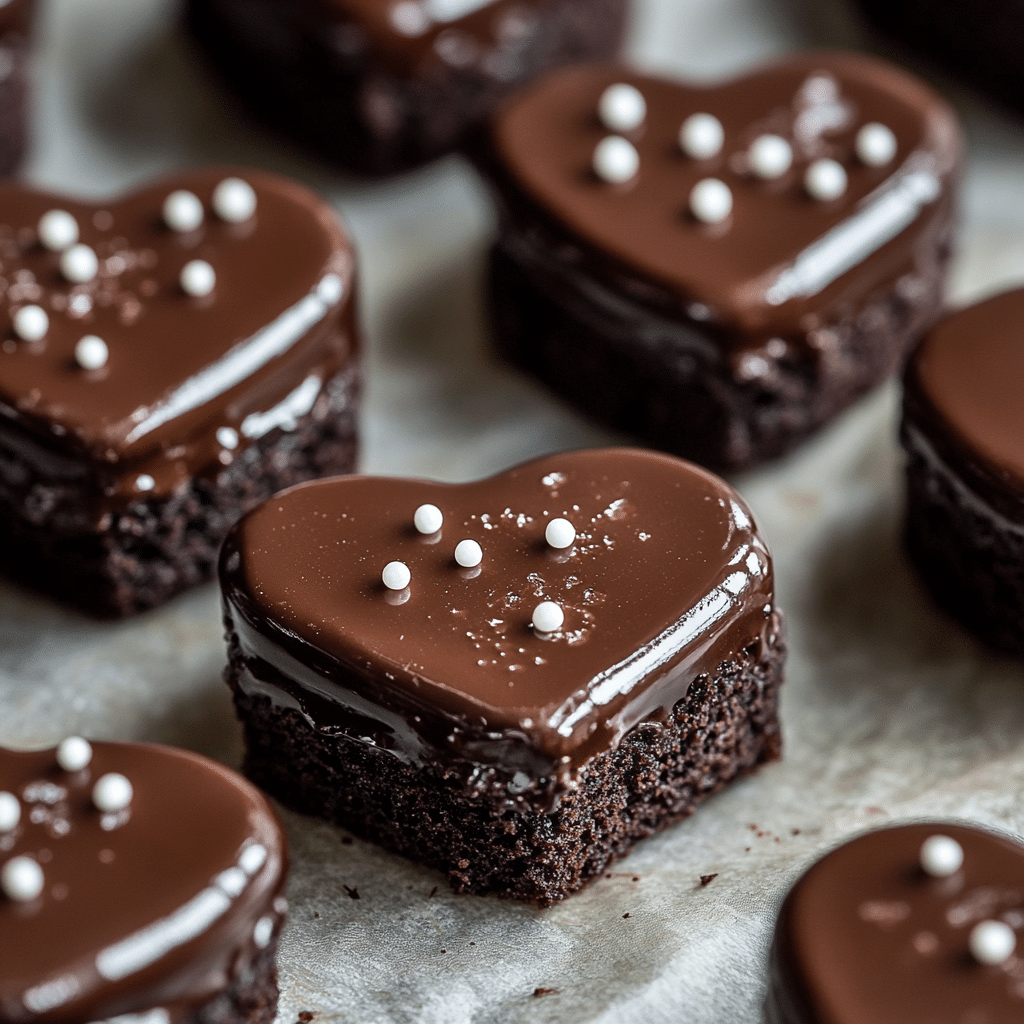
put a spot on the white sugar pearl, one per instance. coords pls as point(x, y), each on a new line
point(263, 932)
point(547, 617)
point(112, 792)
point(711, 201)
point(941, 856)
point(825, 180)
point(144, 482)
point(197, 278)
point(622, 107)
point(10, 811)
point(701, 136)
point(183, 211)
point(74, 753)
point(57, 230)
point(770, 156)
point(875, 144)
point(91, 353)
point(468, 554)
point(616, 160)
point(396, 576)
point(227, 437)
point(560, 533)
point(992, 942)
point(234, 200)
point(79, 264)
point(428, 519)
point(31, 323)
point(21, 879)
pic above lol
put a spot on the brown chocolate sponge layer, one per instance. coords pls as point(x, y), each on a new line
point(252, 996)
point(969, 555)
point(144, 553)
point(282, 60)
point(724, 728)
point(668, 382)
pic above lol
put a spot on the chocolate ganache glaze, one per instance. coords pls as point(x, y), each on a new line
point(157, 902)
point(666, 578)
point(216, 322)
point(964, 401)
point(778, 253)
point(914, 923)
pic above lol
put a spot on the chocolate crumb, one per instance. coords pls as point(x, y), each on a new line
point(353, 892)
point(636, 878)
point(794, 831)
point(443, 951)
point(537, 992)
point(624, 916)
point(707, 879)
point(433, 892)
point(305, 1016)
point(316, 914)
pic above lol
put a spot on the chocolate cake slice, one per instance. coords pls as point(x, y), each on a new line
point(511, 680)
point(170, 359)
point(16, 17)
point(138, 883)
point(720, 271)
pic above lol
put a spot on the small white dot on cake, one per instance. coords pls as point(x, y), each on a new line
point(79, 264)
point(234, 200)
point(992, 942)
point(31, 323)
point(144, 482)
point(560, 533)
point(616, 160)
point(711, 201)
point(941, 856)
point(468, 554)
point(183, 211)
point(227, 437)
point(548, 617)
point(91, 352)
point(770, 156)
point(112, 792)
point(21, 879)
point(74, 753)
point(701, 136)
point(428, 519)
point(198, 278)
point(396, 576)
point(622, 107)
point(10, 811)
point(825, 180)
point(875, 144)
point(57, 230)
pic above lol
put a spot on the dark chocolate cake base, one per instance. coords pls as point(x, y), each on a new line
point(724, 728)
point(667, 382)
point(252, 996)
point(140, 555)
point(317, 82)
point(969, 554)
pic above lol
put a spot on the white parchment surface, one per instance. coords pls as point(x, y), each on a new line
point(888, 710)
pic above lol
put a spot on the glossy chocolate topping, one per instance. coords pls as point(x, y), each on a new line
point(408, 36)
point(868, 937)
point(277, 324)
point(964, 382)
point(156, 905)
point(781, 261)
point(667, 578)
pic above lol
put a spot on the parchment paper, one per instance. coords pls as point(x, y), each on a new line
point(889, 711)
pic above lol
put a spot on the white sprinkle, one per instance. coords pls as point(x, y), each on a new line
point(263, 932)
point(941, 856)
point(825, 180)
point(992, 942)
point(701, 136)
point(10, 811)
point(74, 753)
point(21, 879)
point(875, 144)
point(622, 107)
point(770, 156)
point(79, 264)
point(57, 230)
point(144, 482)
point(227, 437)
point(112, 792)
point(428, 519)
point(91, 352)
point(31, 323)
point(616, 160)
point(711, 201)
point(548, 617)
point(234, 200)
point(560, 533)
point(468, 554)
point(183, 211)
point(396, 576)
point(197, 278)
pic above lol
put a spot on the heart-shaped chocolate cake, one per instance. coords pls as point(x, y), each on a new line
point(136, 880)
point(381, 86)
point(963, 423)
point(910, 923)
point(720, 270)
point(512, 679)
point(170, 359)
